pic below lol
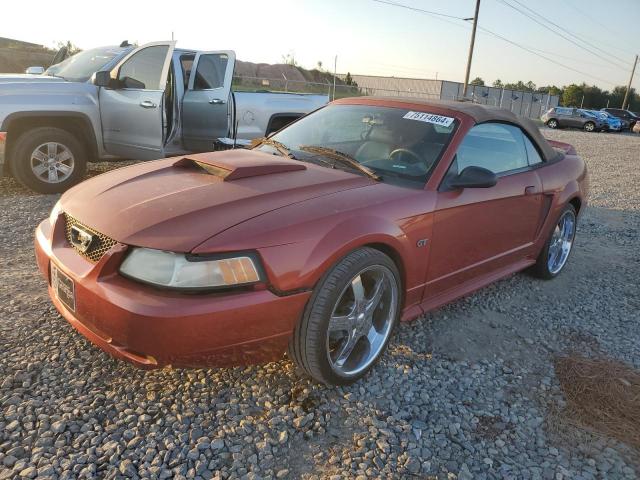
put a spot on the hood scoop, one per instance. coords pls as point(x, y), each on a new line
point(233, 165)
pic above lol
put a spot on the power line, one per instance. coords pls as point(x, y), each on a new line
point(408, 7)
point(600, 24)
point(504, 2)
point(579, 37)
point(487, 31)
point(542, 56)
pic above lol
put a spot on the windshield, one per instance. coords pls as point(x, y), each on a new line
point(80, 67)
point(398, 145)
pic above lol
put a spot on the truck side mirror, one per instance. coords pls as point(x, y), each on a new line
point(103, 79)
point(35, 70)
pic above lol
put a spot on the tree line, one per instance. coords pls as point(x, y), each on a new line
point(583, 95)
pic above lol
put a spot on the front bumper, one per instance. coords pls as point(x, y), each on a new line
point(155, 328)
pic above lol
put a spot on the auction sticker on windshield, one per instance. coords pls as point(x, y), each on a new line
point(429, 118)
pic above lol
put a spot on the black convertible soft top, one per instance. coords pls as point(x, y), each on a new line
point(480, 114)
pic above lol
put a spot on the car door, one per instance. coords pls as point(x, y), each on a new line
point(132, 107)
point(205, 108)
point(478, 231)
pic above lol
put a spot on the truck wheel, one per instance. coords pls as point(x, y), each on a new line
point(48, 160)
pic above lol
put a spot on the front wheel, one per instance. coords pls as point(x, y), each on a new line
point(558, 246)
point(553, 123)
point(48, 160)
point(589, 127)
point(349, 318)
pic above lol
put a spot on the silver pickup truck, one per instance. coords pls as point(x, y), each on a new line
point(144, 103)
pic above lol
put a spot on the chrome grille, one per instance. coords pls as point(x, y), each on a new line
point(99, 246)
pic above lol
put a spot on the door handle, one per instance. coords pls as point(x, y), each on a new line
point(216, 101)
point(147, 104)
point(530, 190)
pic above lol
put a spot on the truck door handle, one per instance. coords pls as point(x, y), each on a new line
point(216, 101)
point(530, 190)
point(147, 104)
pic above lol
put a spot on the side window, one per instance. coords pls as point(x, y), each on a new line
point(144, 69)
point(210, 71)
point(563, 111)
point(495, 146)
point(532, 152)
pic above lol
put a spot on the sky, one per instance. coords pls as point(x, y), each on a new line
point(367, 37)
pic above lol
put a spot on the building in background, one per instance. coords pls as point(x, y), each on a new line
point(528, 104)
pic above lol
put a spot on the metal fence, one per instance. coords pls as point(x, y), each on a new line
point(529, 104)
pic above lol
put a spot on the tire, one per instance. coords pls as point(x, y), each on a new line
point(553, 123)
point(312, 346)
point(589, 127)
point(543, 266)
point(31, 154)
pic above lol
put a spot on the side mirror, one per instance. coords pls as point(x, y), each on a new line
point(474, 177)
point(34, 70)
point(103, 79)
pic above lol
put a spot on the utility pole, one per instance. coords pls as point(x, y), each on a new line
point(335, 72)
point(473, 41)
point(626, 95)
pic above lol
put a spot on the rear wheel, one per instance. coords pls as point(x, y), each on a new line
point(349, 319)
point(589, 127)
point(557, 249)
point(48, 160)
point(553, 123)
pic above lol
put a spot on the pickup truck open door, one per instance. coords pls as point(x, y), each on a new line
point(132, 108)
point(205, 105)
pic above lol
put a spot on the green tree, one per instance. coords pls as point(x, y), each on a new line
point(551, 90)
point(617, 96)
point(594, 97)
point(289, 59)
point(477, 81)
point(572, 95)
point(349, 81)
point(72, 48)
point(498, 83)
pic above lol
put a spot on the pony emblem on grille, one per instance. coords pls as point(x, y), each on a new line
point(81, 239)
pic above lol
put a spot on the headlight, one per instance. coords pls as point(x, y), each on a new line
point(55, 212)
point(181, 271)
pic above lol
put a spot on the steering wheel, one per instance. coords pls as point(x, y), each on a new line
point(414, 156)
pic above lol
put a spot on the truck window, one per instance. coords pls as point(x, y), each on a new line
point(210, 71)
point(144, 69)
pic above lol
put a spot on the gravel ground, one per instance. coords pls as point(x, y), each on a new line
point(466, 392)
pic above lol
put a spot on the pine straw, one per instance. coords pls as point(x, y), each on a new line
point(601, 394)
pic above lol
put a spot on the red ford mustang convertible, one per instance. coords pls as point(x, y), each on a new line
point(319, 239)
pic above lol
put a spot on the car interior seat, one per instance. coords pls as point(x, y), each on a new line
point(379, 144)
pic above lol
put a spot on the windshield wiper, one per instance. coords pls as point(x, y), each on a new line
point(344, 158)
point(279, 147)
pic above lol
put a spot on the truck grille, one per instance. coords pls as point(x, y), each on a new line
point(99, 245)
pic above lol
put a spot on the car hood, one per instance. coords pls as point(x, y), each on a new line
point(176, 204)
point(24, 78)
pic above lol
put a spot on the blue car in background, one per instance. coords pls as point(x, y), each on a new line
point(614, 124)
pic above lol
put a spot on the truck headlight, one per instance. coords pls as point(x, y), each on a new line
point(190, 272)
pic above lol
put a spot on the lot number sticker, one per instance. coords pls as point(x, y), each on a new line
point(429, 118)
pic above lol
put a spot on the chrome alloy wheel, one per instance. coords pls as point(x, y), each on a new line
point(362, 320)
point(561, 242)
point(52, 162)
